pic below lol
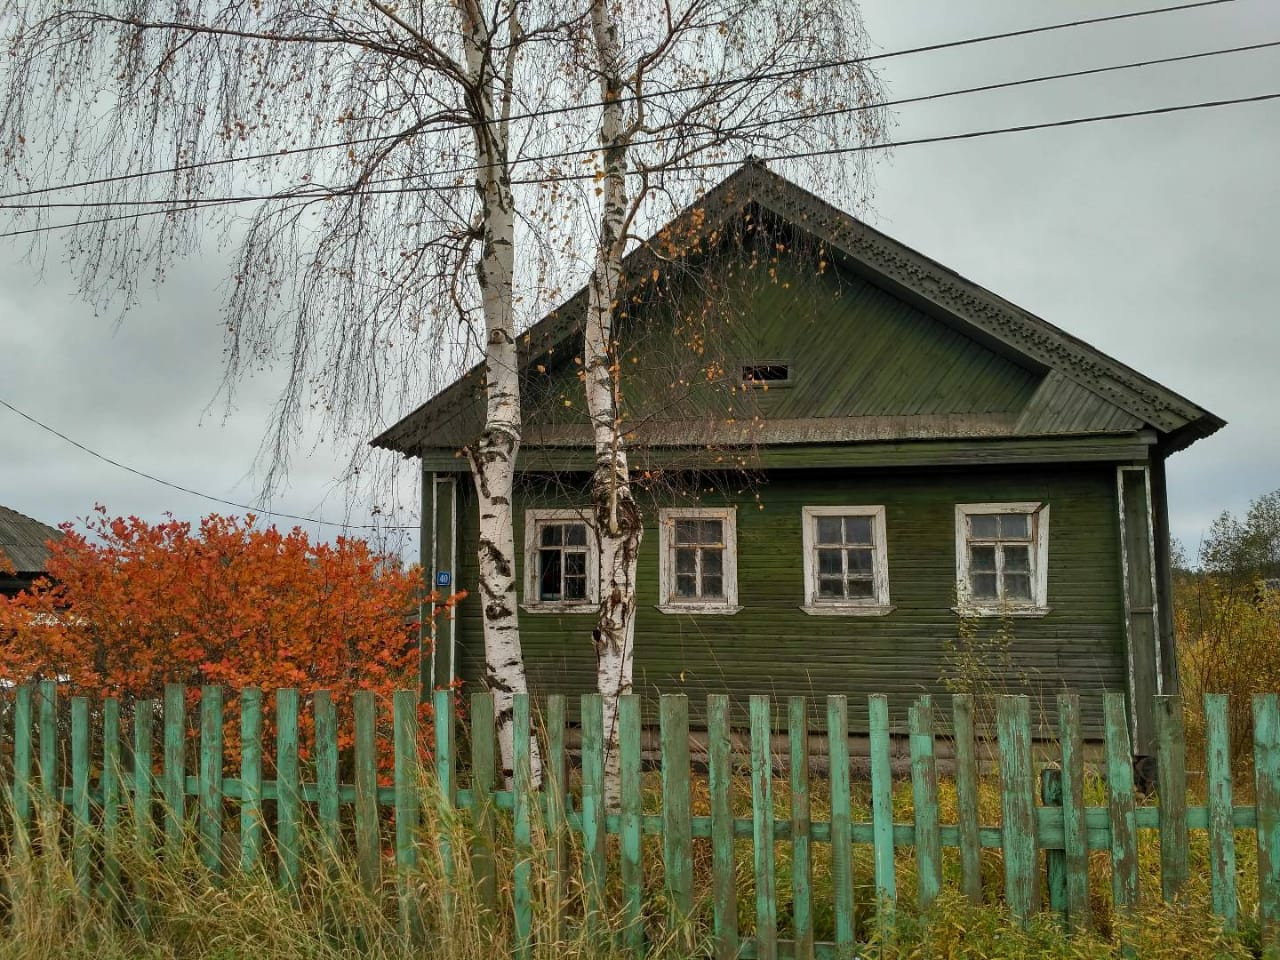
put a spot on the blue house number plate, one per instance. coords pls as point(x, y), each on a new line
point(444, 578)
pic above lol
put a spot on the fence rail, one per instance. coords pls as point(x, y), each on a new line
point(49, 755)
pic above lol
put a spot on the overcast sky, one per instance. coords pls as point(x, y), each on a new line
point(1154, 239)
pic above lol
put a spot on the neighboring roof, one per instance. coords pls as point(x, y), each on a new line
point(1078, 375)
point(23, 540)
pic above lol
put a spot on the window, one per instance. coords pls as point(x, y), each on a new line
point(559, 547)
point(846, 565)
point(697, 563)
point(1002, 558)
point(773, 373)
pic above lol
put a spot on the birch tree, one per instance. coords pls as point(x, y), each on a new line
point(357, 157)
point(683, 84)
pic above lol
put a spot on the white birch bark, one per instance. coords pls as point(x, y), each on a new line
point(617, 516)
point(493, 455)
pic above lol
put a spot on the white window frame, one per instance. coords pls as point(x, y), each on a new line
point(1038, 606)
point(668, 601)
point(876, 606)
point(534, 520)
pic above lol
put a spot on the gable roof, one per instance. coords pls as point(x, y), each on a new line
point(1083, 390)
point(22, 541)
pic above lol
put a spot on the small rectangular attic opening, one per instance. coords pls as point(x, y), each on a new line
point(772, 373)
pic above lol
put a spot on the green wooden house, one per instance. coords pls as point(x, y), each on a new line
point(861, 473)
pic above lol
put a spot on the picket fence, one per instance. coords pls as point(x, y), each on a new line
point(99, 790)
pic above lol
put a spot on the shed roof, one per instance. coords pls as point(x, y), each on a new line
point(23, 540)
point(1080, 381)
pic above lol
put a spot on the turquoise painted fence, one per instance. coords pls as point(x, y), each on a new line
point(85, 756)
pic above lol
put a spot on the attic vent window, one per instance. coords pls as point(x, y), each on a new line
point(773, 374)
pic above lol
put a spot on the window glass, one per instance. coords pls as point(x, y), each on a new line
point(697, 551)
point(1001, 557)
point(844, 558)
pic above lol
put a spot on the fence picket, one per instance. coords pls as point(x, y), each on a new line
point(288, 795)
point(50, 775)
point(631, 826)
point(22, 761)
point(144, 712)
point(251, 825)
point(211, 777)
point(1222, 831)
point(724, 887)
point(368, 856)
point(677, 827)
point(1171, 755)
point(175, 764)
point(841, 823)
point(405, 772)
point(1074, 840)
point(882, 811)
point(1055, 861)
point(484, 775)
point(967, 796)
point(924, 792)
point(1017, 795)
point(110, 782)
point(1120, 802)
point(592, 707)
point(522, 786)
point(446, 784)
point(1266, 765)
point(762, 833)
point(325, 718)
point(801, 817)
point(80, 793)
point(555, 790)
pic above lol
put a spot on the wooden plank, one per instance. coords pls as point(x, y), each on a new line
point(112, 774)
point(882, 811)
point(22, 761)
point(210, 797)
point(1075, 842)
point(677, 827)
point(967, 796)
point(556, 790)
point(368, 855)
point(288, 794)
point(251, 822)
point(523, 798)
point(1222, 835)
point(175, 765)
point(1055, 861)
point(762, 823)
point(1171, 756)
point(406, 773)
point(1266, 768)
point(144, 712)
point(841, 823)
point(81, 848)
point(484, 775)
point(924, 791)
point(50, 775)
point(631, 826)
point(593, 812)
point(446, 783)
point(724, 887)
point(801, 826)
point(1017, 806)
point(1120, 803)
point(325, 715)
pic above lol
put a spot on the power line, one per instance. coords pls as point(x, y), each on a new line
point(196, 493)
point(688, 88)
point(313, 191)
point(705, 164)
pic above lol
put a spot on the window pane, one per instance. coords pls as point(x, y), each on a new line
point(685, 586)
point(685, 559)
point(859, 561)
point(1014, 525)
point(1017, 586)
point(686, 531)
point(829, 563)
point(552, 535)
point(575, 588)
point(575, 534)
point(830, 587)
point(861, 590)
point(1017, 558)
point(983, 586)
point(857, 530)
point(575, 564)
point(712, 586)
point(829, 530)
point(712, 531)
point(712, 561)
point(549, 574)
point(984, 526)
point(982, 559)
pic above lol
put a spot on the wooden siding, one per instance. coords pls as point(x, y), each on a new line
point(772, 647)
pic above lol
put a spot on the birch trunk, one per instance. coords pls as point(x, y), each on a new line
point(617, 516)
point(493, 456)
